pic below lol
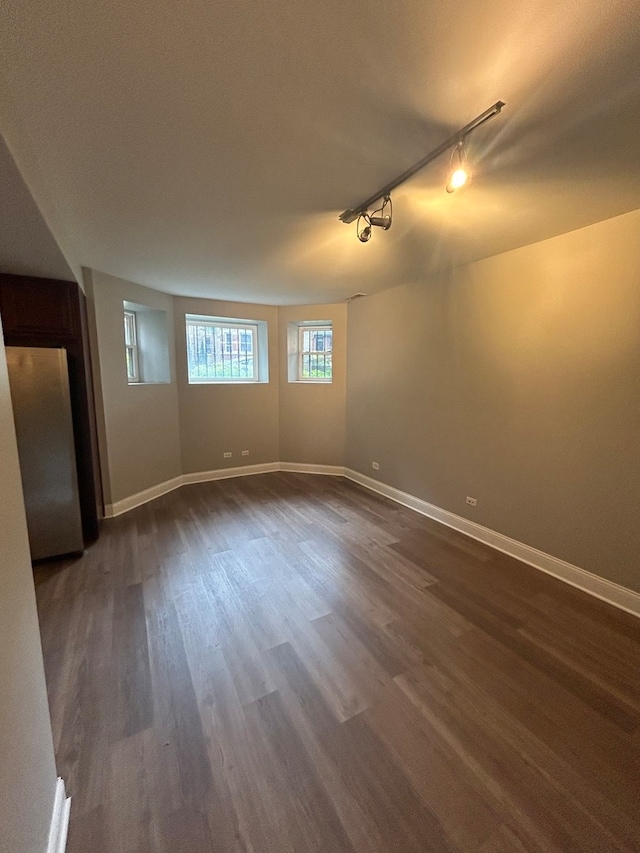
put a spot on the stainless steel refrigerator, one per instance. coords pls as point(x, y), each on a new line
point(39, 382)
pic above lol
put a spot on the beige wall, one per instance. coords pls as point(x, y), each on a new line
point(515, 380)
point(220, 418)
point(193, 426)
point(27, 766)
point(312, 415)
point(138, 425)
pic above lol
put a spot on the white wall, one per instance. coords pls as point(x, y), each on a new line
point(27, 765)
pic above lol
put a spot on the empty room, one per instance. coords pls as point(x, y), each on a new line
point(319, 427)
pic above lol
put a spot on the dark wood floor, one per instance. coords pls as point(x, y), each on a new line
point(287, 663)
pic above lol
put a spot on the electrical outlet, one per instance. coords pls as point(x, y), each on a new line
point(245, 452)
point(472, 501)
point(375, 466)
point(227, 455)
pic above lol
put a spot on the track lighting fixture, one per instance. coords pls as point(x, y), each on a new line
point(378, 219)
point(459, 175)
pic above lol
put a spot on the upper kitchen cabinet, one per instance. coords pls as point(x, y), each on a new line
point(40, 307)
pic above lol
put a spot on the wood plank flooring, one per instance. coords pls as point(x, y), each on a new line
point(286, 663)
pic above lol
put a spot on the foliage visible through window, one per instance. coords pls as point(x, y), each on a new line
point(221, 352)
point(131, 346)
point(315, 350)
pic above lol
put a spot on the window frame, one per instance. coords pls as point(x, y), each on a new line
point(131, 347)
point(226, 328)
point(310, 328)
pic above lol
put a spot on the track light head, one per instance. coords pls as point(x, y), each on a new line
point(365, 235)
point(458, 178)
point(459, 172)
point(383, 222)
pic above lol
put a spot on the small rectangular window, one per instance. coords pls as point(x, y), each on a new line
point(131, 347)
point(315, 351)
point(221, 351)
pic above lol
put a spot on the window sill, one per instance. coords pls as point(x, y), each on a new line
point(310, 381)
point(227, 382)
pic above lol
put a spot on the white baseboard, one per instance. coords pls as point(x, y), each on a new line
point(59, 820)
point(304, 468)
point(126, 504)
point(612, 593)
point(133, 501)
point(226, 473)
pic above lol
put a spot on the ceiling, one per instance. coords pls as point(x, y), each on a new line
point(207, 148)
point(27, 246)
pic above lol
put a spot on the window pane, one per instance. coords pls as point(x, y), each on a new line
point(131, 371)
point(129, 328)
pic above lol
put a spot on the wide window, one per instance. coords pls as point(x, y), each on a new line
point(224, 350)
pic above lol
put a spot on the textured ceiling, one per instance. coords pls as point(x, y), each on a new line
point(26, 244)
point(207, 148)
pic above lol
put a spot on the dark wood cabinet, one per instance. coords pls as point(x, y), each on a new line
point(41, 312)
point(39, 306)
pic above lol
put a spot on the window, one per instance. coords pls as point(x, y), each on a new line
point(315, 350)
point(146, 342)
point(310, 351)
point(220, 349)
point(131, 346)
